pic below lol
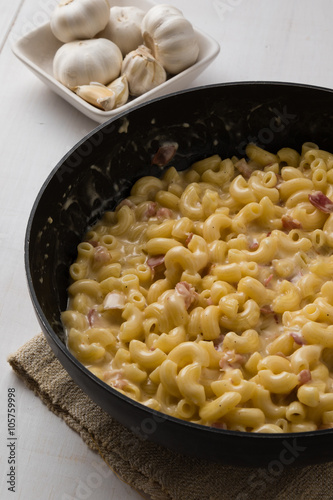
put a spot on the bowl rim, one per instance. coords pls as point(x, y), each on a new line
point(46, 327)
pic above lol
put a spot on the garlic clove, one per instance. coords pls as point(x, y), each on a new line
point(120, 88)
point(142, 70)
point(98, 95)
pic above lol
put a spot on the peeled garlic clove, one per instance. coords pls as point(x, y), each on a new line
point(98, 95)
point(120, 88)
point(142, 70)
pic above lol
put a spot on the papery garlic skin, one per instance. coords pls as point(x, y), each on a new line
point(79, 19)
point(143, 71)
point(84, 61)
point(120, 87)
point(170, 37)
point(124, 28)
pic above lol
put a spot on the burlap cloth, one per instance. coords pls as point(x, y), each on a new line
point(147, 467)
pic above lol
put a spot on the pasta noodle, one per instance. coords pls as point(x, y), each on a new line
point(208, 295)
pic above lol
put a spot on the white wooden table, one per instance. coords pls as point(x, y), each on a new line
point(280, 40)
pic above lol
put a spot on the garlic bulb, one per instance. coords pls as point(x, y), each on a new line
point(84, 61)
point(170, 37)
point(100, 96)
point(124, 28)
point(120, 88)
point(142, 70)
point(79, 19)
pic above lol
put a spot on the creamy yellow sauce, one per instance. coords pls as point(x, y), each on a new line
point(207, 294)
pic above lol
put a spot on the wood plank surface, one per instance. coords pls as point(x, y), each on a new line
point(276, 40)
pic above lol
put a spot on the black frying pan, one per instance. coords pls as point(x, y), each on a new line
point(99, 171)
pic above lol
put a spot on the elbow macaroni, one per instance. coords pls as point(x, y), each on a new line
point(207, 294)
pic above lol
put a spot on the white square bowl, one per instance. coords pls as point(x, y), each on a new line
point(37, 49)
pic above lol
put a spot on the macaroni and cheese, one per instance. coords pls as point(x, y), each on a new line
point(208, 294)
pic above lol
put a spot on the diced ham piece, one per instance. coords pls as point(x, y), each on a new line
point(289, 223)
point(127, 203)
point(164, 213)
point(231, 359)
point(150, 210)
point(119, 383)
point(188, 239)
point(101, 255)
point(298, 338)
point(219, 425)
point(321, 201)
point(95, 319)
point(155, 261)
point(268, 279)
point(164, 154)
point(244, 168)
point(325, 426)
point(188, 292)
point(92, 316)
point(218, 343)
point(304, 376)
point(266, 310)
point(114, 300)
point(93, 243)
point(115, 378)
point(253, 245)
